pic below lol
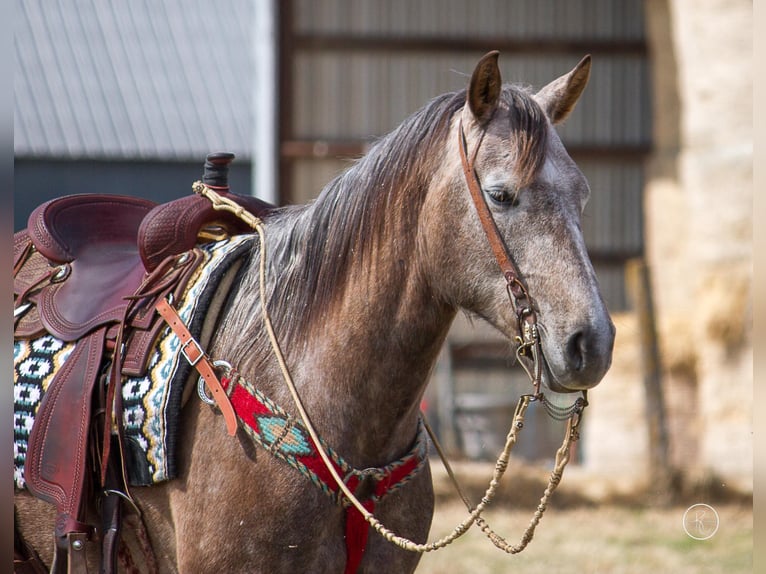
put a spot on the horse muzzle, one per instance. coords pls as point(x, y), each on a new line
point(583, 359)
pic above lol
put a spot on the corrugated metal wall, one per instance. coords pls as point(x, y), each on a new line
point(138, 80)
point(353, 70)
point(534, 19)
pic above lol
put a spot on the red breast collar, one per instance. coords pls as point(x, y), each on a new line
point(285, 437)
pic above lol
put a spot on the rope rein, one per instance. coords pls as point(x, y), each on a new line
point(573, 415)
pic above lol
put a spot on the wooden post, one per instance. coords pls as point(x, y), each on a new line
point(661, 475)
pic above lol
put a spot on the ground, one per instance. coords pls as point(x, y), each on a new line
point(601, 539)
point(624, 536)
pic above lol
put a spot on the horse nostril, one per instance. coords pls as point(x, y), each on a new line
point(576, 350)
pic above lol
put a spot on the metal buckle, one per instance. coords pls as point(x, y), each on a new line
point(204, 397)
point(186, 355)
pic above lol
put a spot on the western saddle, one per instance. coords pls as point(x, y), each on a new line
point(90, 269)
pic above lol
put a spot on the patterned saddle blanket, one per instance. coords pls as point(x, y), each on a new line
point(152, 403)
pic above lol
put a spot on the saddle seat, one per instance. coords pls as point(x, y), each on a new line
point(106, 245)
point(68, 227)
point(93, 239)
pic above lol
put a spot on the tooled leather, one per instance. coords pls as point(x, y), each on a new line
point(29, 325)
point(58, 454)
point(166, 227)
point(42, 239)
point(172, 228)
point(61, 227)
point(22, 248)
point(56, 457)
point(70, 309)
point(29, 268)
point(33, 268)
point(144, 334)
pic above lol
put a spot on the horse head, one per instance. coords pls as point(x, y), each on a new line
point(535, 195)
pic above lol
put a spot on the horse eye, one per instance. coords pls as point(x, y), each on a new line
point(503, 196)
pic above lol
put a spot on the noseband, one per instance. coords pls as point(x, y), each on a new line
point(528, 340)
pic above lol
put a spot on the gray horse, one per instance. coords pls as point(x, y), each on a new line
point(362, 285)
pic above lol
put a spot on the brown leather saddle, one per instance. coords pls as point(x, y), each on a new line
point(89, 270)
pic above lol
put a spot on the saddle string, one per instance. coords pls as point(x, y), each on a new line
point(154, 283)
point(562, 456)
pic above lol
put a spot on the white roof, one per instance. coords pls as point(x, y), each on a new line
point(167, 79)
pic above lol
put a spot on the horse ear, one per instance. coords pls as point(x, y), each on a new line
point(484, 89)
point(559, 97)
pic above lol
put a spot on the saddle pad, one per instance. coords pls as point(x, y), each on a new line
point(151, 404)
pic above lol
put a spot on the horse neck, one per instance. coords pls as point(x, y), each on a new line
point(369, 377)
point(362, 359)
point(366, 360)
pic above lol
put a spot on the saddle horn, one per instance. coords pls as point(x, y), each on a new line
point(216, 173)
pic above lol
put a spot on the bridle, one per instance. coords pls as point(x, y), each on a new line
point(528, 343)
point(528, 340)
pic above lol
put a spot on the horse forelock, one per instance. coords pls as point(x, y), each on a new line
point(314, 246)
point(528, 138)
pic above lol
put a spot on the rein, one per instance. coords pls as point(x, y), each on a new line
point(528, 343)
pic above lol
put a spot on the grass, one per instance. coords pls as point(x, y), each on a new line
point(578, 535)
point(595, 539)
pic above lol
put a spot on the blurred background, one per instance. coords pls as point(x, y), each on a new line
point(129, 97)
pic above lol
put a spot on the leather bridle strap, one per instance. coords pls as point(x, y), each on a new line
point(200, 361)
point(515, 285)
point(517, 291)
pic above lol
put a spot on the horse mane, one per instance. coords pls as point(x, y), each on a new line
point(312, 247)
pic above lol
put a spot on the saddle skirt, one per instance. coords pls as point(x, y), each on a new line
point(151, 401)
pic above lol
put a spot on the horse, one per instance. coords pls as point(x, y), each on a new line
point(362, 285)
